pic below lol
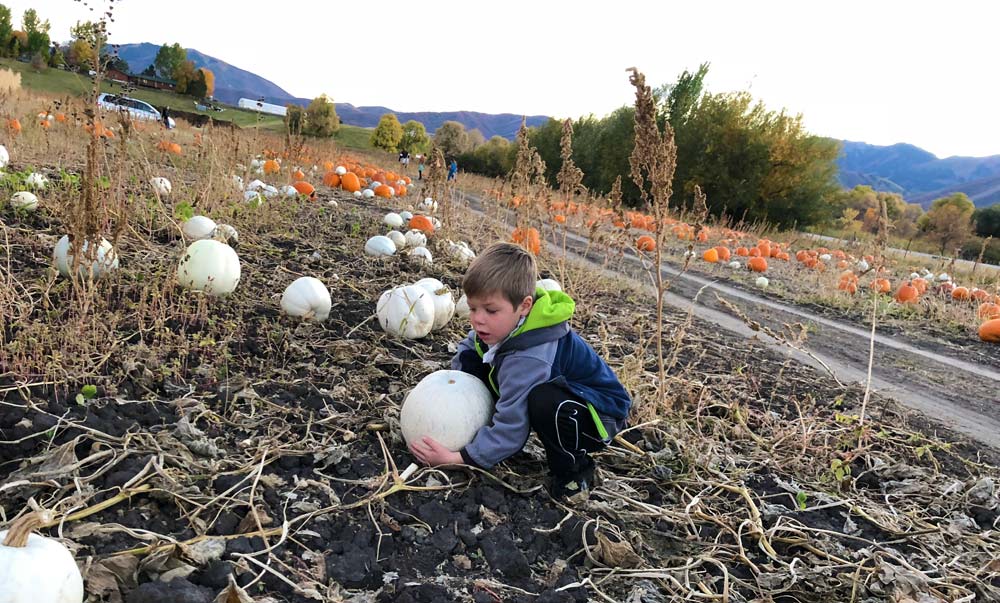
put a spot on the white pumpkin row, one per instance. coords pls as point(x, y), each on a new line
point(413, 311)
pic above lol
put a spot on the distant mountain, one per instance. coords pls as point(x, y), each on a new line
point(233, 83)
point(919, 175)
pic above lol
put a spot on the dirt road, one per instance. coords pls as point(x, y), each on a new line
point(960, 395)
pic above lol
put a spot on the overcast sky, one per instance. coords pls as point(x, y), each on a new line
point(878, 71)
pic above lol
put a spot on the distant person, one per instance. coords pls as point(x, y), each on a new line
point(404, 158)
point(166, 117)
point(420, 167)
point(452, 169)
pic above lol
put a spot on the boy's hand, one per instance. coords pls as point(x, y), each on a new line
point(430, 452)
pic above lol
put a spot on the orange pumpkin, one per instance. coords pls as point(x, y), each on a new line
point(298, 175)
point(711, 255)
point(422, 223)
point(61, 118)
point(305, 188)
point(328, 166)
point(528, 238)
point(921, 285)
point(960, 294)
point(979, 295)
point(645, 243)
point(173, 148)
point(271, 166)
point(14, 125)
point(881, 285)
point(559, 218)
point(989, 331)
point(350, 182)
point(907, 293)
point(723, 253)
point(765, 248)
point(331, 179)
point(385, 191)
point(703, 235)
point(988, 311)
point(755, 252)
point(742, 252)
point(757, 264)
point(783, 256)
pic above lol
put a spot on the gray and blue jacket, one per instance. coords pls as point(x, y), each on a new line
point(543, 349)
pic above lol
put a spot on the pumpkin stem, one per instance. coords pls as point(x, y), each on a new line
point(17, 536)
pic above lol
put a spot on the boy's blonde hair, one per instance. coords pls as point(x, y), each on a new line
point(505, 268)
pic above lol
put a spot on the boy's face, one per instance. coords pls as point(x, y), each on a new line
point(493, 317)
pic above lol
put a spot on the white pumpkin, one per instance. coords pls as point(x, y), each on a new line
point(332, 203)
point(237, 182)
point(210, 267)
point(340, 171)
point(36, 180)
point(256, 185)
point(226, 234)
point(762, 282)
point(863, 266)
point(105, 261)
point(826, 257)
point(462, 307)
point(368, 193)
point(429, 205)
point(161, 185)
point(735, 265)
point(449, 406)
point(4, 157)
point(270, 192)
point(357, 194)
point(405, 215)
point(422, 255)
point(914, 275)
point(393, 220)
point(24, 201)
point(253, 197)
point(374, 185)
point(415, 238)
point(307, 298)
point(548, 284)
point(379, 246)
point(289, 191)
point(461, 252)
point(36, 569)
point(199, 227)
point(406, 311)
point(444, 303)
point(943, 277)
point(397, 238)
point(257, 164)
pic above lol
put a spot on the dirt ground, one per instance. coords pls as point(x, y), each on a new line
point(231, 447)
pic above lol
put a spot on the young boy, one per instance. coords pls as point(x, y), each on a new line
point(544, 377)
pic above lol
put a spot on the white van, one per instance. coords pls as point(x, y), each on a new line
point(135, 107)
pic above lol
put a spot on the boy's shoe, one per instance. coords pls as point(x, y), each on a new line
point(575, 488)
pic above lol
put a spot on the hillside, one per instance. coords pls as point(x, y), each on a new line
point(919, 175)
point(233, 83)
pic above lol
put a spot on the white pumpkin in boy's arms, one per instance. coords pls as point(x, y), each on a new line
point(106, 260)
point(379, 246)
point(449, 406)
point(24, 201)
point(199, 227)
point(210, 267)
point(38, 569)
point(406, 311)
point(444, 303)
point(307, 297)
point(548, 284)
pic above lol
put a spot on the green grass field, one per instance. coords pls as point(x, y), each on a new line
point(58, 83)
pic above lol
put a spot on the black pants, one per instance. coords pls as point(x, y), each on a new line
point(566, 428)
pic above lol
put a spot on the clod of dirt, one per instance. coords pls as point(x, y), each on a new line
point(178, 590)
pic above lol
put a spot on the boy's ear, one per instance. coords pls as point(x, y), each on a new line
point(526, 304)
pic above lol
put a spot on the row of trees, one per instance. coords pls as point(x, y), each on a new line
point(318, 119)
point(171, 63)
point(32, 38)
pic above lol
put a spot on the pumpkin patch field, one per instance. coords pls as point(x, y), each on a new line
point(201, 387)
